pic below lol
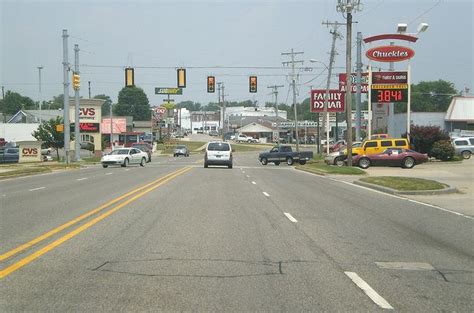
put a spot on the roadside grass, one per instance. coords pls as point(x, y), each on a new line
point(92, 159)
point(317, 166)
point(168, 148)
point(237, 147)
point(404, 183)
point(24, 171)
point(60, 166)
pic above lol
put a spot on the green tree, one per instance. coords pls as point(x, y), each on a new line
point(14, 102)
point(106, 105)
point(430, 96)
point(47, 133)
point(189, 105)
point(132, 101)
point(57, 102)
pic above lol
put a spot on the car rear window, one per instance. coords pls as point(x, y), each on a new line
point(218, 146)
point(400, 143)
point(119, 151)
point(180, 147)
point(461, 143)
point(386, 143)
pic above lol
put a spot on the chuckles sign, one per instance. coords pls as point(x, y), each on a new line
point(390, 53)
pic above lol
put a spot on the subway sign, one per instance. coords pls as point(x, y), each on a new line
point(168, 91)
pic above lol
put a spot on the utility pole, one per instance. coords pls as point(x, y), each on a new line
point(67, 130)
point(293, 82)
point(275, 92)
point(221, 121)
point(77, 135)
point(391, 106)
point(223, 112)
point(325, 127)
point(39, 89)
point(358, 85)
point(89, 83)
point(3, 92)
point(346, 7)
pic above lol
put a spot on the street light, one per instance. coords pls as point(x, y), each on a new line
point(39, 83)
point(324, 124)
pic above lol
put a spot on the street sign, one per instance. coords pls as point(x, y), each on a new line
point(336, 101)
point(364, 82)
point(390, 53)
point(160, 110)
point(168, 91)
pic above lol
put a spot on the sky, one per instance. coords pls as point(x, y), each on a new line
point(230, 40)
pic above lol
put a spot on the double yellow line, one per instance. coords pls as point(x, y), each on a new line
point(136, 194)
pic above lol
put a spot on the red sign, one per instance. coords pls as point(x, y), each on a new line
point(29, 152)
point(390, 53)
point(389, 77)
point(87, 127)
point(86, 112)
point(364, 82)
point(336, 101)
point(119, 125)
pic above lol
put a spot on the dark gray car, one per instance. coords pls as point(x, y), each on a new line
point(9, 155)
point(181, 150)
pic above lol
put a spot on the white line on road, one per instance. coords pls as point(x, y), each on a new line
point(83, 178)
point(442, 209)
point(39, 188)
point(108, 173)
point(291, 218)
point(266, 194)
point(254, 183)
point(371, 293)
point(247, 176)
point(127, 169)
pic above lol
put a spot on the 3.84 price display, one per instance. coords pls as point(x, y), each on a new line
point(389, 95)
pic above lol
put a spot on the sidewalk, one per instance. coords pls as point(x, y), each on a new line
point(459, 175)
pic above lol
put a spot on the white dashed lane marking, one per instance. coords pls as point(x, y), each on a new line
point(255, 183)
point(83, 178)
point(290, 217)
point(371, 293)
point(108, 173)
point(266, 194)
point(39, 188)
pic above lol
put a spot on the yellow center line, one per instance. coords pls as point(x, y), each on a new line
point(36, 240)
point(30, 258)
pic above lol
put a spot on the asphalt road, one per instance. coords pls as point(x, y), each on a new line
point(251, 238)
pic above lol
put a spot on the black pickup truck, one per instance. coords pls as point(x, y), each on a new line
point(284, 154)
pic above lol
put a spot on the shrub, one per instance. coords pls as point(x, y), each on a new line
point(423, 137)
point(442, 150)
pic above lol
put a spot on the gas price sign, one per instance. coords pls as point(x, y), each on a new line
point(393, 93)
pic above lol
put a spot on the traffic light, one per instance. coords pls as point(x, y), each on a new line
point(76, 81)
point(211, 84)
point(253, 84)
point(181, 78)
point(129, 77)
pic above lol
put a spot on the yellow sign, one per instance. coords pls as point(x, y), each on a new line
point(390, 86)
point(60, 128)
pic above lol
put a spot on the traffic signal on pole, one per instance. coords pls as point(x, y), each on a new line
point(76, 81)
point(211, 84)
point(253, 84)
point(129, 77)
point(181, 78)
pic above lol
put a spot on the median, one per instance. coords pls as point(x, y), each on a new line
point(405, 185)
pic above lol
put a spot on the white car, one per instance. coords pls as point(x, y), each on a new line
point(124, 157)
point(245, 138)
point(218, 153)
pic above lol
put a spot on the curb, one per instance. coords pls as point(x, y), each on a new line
point(392, 191)
point(309, 171)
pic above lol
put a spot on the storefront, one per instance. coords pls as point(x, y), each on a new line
point(90, 117)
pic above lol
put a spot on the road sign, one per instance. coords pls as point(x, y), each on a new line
point(168, 91)
point(336, 102)
point(364, 82)
point(389, 78)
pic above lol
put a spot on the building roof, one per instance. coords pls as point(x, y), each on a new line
point(245, 120)
point(33, 116)
point(255, 128)
point(461, 109)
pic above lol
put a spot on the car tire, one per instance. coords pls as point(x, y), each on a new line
point(466, 154)
point(206, 165)
point(142, 163)
point(105, 165)
point(125, 163)
point(289, 161)
point(277, 163)
point(339, 161)
point(230, 165)
point(264, 161)
point(408, 162)
point(302, 162)
point(364, 163)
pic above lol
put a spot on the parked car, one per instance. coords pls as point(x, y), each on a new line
point(245, 138)
point(404, 158)
point(338, 145)
point(464, 146)
point(213, 133)
point(124, 157)
point(218, 153)
point(376, 146)
point(379, 136)
point(181, 150)
point(2, 142)
point(145, 147)
point(338, 157)
point(9, 155)
point(229, 136)
point(284, 154)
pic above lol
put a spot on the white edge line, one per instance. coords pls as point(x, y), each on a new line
point(83, 178)
point(108, 173)
point(290, 217)
point(371, 293)
point(266, 194)
point(39, 188)
point(247, 176)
